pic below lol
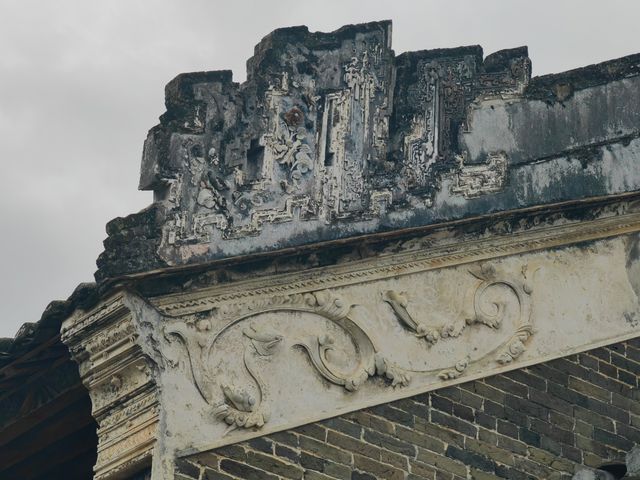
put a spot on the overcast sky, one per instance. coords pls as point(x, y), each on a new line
point(82, 81)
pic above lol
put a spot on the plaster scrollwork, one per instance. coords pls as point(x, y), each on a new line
point(516, 346)
point(399, 302)
point(487, 312)
point(242, 409)
point(494, 297)
point(492, 315)
point(392, 372)
point(371, 362)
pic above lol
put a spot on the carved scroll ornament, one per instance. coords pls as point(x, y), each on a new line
point(239, 408)
point(486, 313)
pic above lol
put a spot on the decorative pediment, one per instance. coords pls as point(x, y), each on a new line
point(332, 136)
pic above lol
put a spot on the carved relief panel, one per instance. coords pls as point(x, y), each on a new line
point(331, 135)
point(250, 362)
point(105, 344)
point(289, 146)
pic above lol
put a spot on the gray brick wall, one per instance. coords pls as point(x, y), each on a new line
point(534, 423)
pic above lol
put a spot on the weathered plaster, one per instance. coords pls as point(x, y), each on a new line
point(105, 344)
point(349, 227)
point(269, 353)
point(579, 299)
point(332, 137)
point(530, 131)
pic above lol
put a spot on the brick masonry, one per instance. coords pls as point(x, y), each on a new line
point(535, 423)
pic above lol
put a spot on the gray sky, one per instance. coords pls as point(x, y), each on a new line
point(82, 81)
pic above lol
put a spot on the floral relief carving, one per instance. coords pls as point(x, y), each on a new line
point(397, 375)
point(431, 333)
point(516, 346)
point(370, 363)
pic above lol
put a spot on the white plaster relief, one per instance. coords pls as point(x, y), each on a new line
point(260, 362)
point(421, 143)
point(484, 312)
point(233, 403)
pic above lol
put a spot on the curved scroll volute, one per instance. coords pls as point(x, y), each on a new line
point(490, 279)
point(513, 299)
point(335, 309)
point(238, 407)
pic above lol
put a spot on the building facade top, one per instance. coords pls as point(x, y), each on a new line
point(363, 228)
point(332, 137)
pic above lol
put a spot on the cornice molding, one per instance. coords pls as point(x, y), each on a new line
point(417, 254)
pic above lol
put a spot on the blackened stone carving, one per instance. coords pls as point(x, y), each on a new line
point(333, 137)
